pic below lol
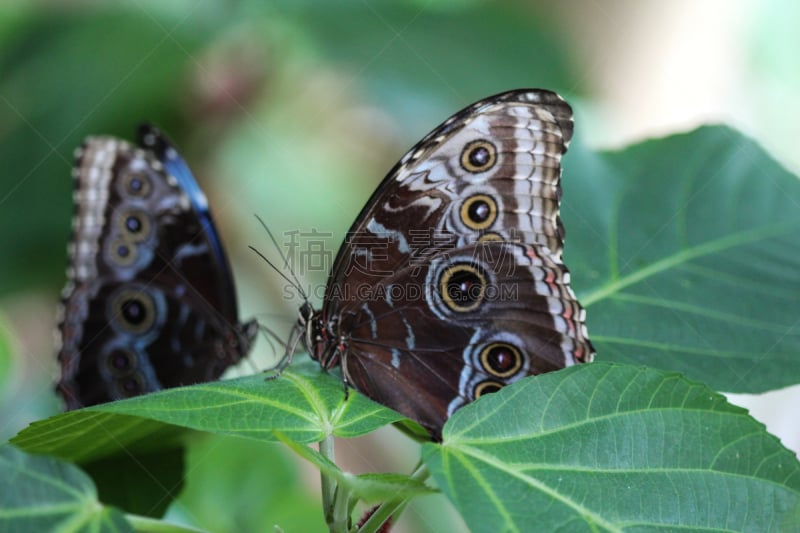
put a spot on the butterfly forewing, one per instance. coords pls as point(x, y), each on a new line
point(450, 283)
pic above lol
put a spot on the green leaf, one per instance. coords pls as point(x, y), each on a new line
point(608, 447)
point(378, 487)
point(684, 251)
point(90, 435)
point(135, 464)
point(40, 493)
point(134, 439)
point(304, 403)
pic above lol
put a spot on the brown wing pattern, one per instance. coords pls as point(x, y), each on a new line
point(451, 284)
point(144, 306)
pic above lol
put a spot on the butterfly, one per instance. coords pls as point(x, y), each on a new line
point(450, 283)
point(150, 302)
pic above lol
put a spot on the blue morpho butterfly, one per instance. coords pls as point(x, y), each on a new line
point(450, 284)
point(150, 301)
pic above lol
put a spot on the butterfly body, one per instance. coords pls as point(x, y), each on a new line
point(450, 283)
point(150, 301)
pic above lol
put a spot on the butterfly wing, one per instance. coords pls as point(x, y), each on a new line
point(490, 171)
point(473, 206)
point(149, 301)
point(487, 315)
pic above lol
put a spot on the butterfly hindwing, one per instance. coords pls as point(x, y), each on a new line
point(149, 301)
point(447, 347)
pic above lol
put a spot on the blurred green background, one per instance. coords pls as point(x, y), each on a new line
point(294, 111)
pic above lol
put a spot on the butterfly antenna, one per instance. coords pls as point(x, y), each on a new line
point(285, 260)
point(278, 270)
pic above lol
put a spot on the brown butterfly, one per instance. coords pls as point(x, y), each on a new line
point(450, 284)
point(150, 301)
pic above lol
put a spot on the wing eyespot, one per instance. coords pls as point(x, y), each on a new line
point(478, 212)
point(122, 252)
point(134, 311)
point(129, 386)
point(478, 156)
point(462, 287)
point(121, 362)
point(486, 387)
point(135, 225)
point(501, 360)
point(137, 184)
point(491, 236)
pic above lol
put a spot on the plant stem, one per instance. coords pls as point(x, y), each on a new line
point(341, 511)
point(392, 508)
point(328, 485)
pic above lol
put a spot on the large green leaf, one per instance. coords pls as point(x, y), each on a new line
point(45, 494)
point(685, 252)
point(304, 403)
point(139, 440)
point(609, 447)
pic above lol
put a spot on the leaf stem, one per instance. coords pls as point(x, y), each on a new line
point(340, 522)
point(392, 508)
point(328, 484)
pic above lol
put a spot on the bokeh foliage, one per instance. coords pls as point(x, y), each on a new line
point(293, 111)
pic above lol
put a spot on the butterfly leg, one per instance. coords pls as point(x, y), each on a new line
point(345, 378)
point(288, 355)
